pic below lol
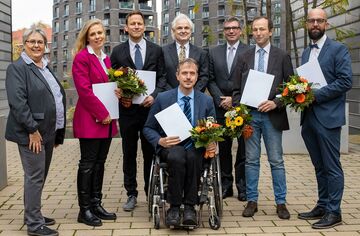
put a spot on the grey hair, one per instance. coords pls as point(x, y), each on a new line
point(31, 31)
point(181, 16)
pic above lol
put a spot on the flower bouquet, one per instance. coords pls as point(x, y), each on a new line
point(237, 122)
point(129, 82)
point(297, 93)
point(206, 132)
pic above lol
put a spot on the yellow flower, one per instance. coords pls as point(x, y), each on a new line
point(237, 109)
point(227, 122)
point(292, 87)
point(239, 121)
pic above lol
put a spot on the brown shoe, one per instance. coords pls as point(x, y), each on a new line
point(282, 212)
point(250, 209)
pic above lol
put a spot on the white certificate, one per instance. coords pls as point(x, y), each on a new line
point(174, 122)
point(313, 73)
point(149, 77)
point(257, 88)
point(105, 92)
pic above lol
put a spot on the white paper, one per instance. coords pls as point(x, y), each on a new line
point(149, 77)
point(257, 88)
point(313, 73)
point(174, 122)
point(105, 92)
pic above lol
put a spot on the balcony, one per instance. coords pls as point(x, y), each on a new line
point(126, 5)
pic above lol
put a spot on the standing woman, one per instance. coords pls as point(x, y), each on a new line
point(92, 123)
point(36, 123)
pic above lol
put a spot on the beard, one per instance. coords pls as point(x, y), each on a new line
point(316, 34)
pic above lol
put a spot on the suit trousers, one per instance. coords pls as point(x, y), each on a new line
point(36, 167)
point(323, 145)
point(131, 128)
point(184, 168)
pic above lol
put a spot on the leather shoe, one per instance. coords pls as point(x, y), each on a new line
point(49, 221)
point(242, 196)
point(329, 220)
point(250, 209)
point(101, 213)
point(130, 203)
point(228, 192)
point(316, 213)
point(189, 216)
point(43, 231)
point(173, 216)
point(282, 211)
point(87, 217)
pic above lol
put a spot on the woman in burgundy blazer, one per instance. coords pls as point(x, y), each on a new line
point(92, 123)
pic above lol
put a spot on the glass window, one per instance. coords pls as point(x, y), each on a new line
point(92, 5)
point(66, 25)
point(78, 23)
point(78, 7)
point(66, 10)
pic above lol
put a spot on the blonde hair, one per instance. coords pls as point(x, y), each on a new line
point(81, 40)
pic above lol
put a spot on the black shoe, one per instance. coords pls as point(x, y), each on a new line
point(227, 193)
point(173, 216)
point(49, 221)
point(329, 220)
point(101, 213)
point(87, 217)
point(242, 196)
point(189, 218)
point(314, 214)
point(130, 203)
point(282, 212)
point(43, 231)
point(250, 209)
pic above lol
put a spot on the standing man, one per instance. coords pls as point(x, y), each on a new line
point(181, 30)
point(269, 119)
point(139, 54)
point(322, 121)
point(222, 63)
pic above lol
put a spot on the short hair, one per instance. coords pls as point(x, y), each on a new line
point(81, 40)
point(34, 30)
point(135, 12)
point(177, 18)
point(188, 60)
point(270, 23)
point(232, 19)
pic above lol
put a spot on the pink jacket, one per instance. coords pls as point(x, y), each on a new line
point(87, 70)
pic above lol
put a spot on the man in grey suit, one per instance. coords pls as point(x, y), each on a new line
point(269, 118)
point(222, 63)
point(322, 121)
point(181, 29)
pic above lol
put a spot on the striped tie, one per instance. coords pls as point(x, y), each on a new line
point(261, 60)
point(187, 111)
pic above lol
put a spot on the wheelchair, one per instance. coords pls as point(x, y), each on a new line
point(209, 193)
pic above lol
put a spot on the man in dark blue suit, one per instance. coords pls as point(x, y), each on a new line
point(322, 121)
point(184, 161)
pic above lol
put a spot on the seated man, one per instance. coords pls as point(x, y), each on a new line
point(184, 161)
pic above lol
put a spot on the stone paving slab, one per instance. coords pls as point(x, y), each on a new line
point(60, 199)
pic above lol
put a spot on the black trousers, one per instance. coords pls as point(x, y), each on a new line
point(184, 168)
point(131, 129)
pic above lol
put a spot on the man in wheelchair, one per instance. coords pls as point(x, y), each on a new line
point(184, 161)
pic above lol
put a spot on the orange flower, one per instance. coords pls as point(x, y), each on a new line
point(300, 98)
point(247, 131)
point(302, 79)
point(215, 125)
point(285, 92)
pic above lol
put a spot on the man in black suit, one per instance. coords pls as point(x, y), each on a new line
point(269, 118)
point(222, 63)
point(181, 29)
point(140, 54)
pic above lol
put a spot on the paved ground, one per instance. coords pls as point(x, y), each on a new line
point(60, 201)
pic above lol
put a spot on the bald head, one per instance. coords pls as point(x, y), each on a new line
point(317, 12)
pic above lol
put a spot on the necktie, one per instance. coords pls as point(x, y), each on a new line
point(230, 58)
point(187, 112)
point(261, 60)
point(182, 53)
point(314, 46)
point(138, 58)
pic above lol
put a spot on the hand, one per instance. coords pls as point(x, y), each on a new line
point(226, 102)
point(107, 120)
point(210, 150)
point(267, 106)
point(118, 92)
point(148, 101)
point(35, 140)
point(168, 142)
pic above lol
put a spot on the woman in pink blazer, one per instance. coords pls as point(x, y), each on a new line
point(92, 123)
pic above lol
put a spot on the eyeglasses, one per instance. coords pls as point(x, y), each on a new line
point(33, 42)
point(319, 21)
point(231, 28)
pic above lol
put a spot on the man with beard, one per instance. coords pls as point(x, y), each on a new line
point(322, 121)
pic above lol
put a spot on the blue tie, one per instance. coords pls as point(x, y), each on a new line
point(187, 111)
point(261, 60)
point(314, 46)
point(138, 58)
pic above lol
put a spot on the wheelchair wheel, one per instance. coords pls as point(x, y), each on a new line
point(156, 220)
point(217, 186)
point(152, 186)
point(214, 222)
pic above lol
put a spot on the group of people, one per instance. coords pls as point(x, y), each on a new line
point(36, 120)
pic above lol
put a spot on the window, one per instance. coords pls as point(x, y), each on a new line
point(65, 55)
point(149, 20)
point(92, 5)
point(221, 11)
point(166, 4)
point(56, 27)
point(56, 12)
point(165, 30)
point(145, 5)
point(54, 42)
point(54, 59)
point(91, 17)
point(205, 12)
point(78, 7)
point(78, 22)
point(191, 14)
point(66, 25)
point(106, 20)
point(166, 17)
point(107, 4)
point(107, 49)
point(122, 18)
point(66, 10)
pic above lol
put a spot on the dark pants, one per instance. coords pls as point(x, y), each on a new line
point(323, 145)
point(130, 129)
point(184, 168)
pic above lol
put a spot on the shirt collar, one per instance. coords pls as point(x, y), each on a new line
point(321, 41)
point(266, 48)
point(28, 60)
point(235, 46)
point(186, 45)
point(180, 94)
point(142, 44)
point(91, 51)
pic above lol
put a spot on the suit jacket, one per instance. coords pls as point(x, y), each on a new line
point(32, 104)
point(335, 63)
point(172, 61)
point(279, 65)
point(89, 111)
point(221, 82)
point(154, 61)
point(203, 107)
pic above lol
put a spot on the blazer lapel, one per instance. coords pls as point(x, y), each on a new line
point(324, 49)
point(251, 61)
point(39, 75)
point(147, 55)
point(173, 53)
point(95, 61)
point(271, 61)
